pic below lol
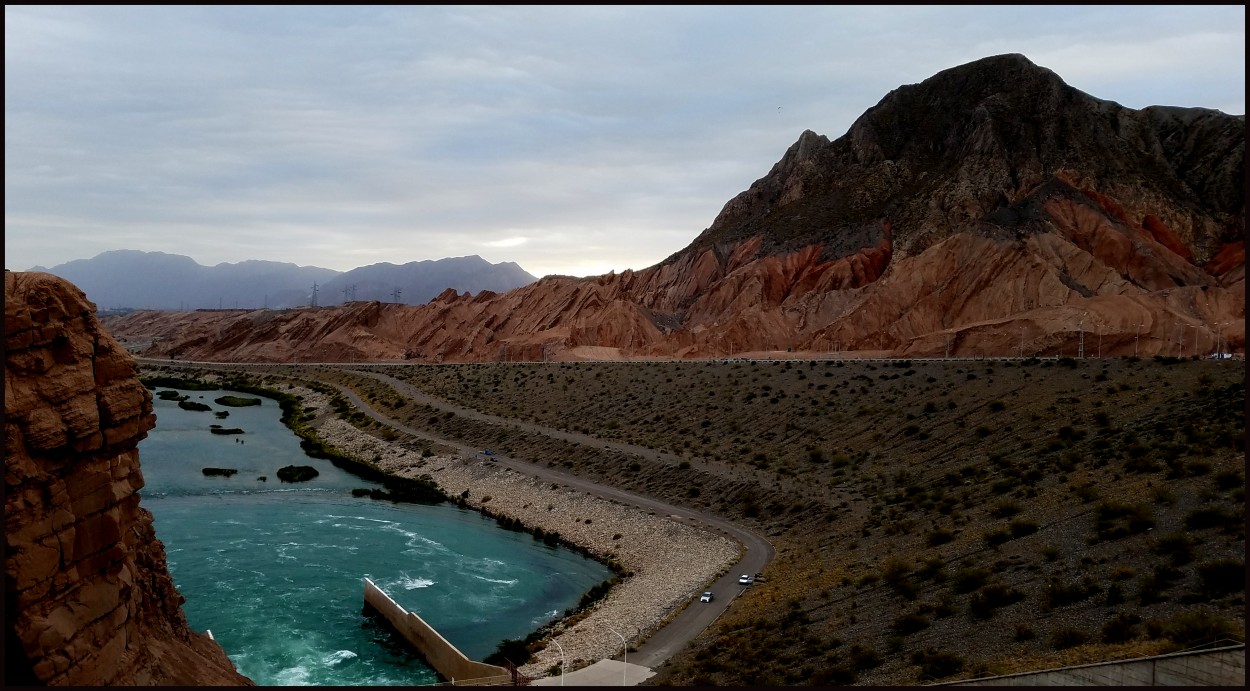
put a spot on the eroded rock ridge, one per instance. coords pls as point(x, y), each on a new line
point(990, 210)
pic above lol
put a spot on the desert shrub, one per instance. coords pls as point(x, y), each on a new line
point(937, 664)
point(1229, 479)
point(1120, 627)
point(1024, 632)
point(1211, 517)
point(836, 675)
point(1197, 627)
point(1151, 586)
point(931, 567)
point(1114, 520)
point(986, 600)
point(1005, 509)
point(1023, 527)
point(910, 622)
point(1114, 596)
point(1050, 553)
point(864, 657)
point(1221, 577)
point(938, 536)
point(895, 571)
point(996, 536)
point(512, 650)
point(1067, 637)
point(1057, 593)
point(1177, 547)
point(969, 579)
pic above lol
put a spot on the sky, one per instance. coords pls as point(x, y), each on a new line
point(571, 140)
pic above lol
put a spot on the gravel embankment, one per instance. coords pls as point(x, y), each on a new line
point(670, 562)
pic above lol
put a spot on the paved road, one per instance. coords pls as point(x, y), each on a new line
point(681, 629)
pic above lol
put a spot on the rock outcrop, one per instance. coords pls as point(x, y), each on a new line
point(990, 210)
point(88, 597)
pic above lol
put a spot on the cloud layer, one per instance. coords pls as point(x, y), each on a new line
point(572, 140)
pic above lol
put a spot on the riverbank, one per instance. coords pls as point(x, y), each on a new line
point(668, 562)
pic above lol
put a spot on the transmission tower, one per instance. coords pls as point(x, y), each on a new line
point(395, 293)
point(314, 295)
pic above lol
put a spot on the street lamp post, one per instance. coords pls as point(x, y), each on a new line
point(624, 652)
point(561, 649)
point(1081, 338)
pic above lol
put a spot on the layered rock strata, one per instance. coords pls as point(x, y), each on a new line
point(991, 210)
point(88, 597)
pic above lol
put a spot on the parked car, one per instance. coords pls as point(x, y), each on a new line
point(745, 579)
point(706, 597)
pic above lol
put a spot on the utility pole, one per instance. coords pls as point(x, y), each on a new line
point(1137, 340)
point(1022, 343)
point(1195, 328)
point(1180, 341)
point(1100, 341)
point(1080, 353)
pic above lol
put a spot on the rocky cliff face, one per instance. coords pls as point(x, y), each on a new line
point(88, 598)
point(989, 210)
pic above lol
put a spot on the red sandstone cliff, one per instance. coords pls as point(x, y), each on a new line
point(88, 598)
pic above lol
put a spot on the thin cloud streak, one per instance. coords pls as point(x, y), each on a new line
point(608, 138)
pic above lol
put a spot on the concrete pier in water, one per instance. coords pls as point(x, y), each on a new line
point(450, 663)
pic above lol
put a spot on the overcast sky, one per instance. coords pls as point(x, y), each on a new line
point(571, 140)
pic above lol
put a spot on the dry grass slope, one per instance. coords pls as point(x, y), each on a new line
point(933, 520)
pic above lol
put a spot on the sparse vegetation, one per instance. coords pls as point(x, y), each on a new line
point(879, 531)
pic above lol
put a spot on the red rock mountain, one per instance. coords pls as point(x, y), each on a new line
point(88, 600)
point(990, 210)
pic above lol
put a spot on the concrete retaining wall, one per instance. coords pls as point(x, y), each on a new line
point(449, 662)
point(1219, 667)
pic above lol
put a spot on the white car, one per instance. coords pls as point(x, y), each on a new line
point(706, 597)
point(744, 579)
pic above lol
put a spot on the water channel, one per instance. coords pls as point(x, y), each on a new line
point(275, 569)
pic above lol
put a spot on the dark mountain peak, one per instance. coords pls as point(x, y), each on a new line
point(942, 156)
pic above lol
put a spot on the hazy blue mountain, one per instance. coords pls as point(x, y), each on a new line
point(156, 280)
point(418, 282)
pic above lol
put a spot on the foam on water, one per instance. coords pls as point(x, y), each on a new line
point(496, 580)
point(338, 656)
point(414, 583)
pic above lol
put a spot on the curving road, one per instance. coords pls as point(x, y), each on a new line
point(687, 624)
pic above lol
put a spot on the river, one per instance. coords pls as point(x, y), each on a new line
point(275, 570)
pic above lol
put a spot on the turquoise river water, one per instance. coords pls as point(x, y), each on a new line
point(275, 570)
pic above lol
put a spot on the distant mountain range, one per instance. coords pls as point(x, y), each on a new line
point(132, 279)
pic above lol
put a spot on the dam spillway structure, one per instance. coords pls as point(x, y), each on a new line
point(445, 658)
